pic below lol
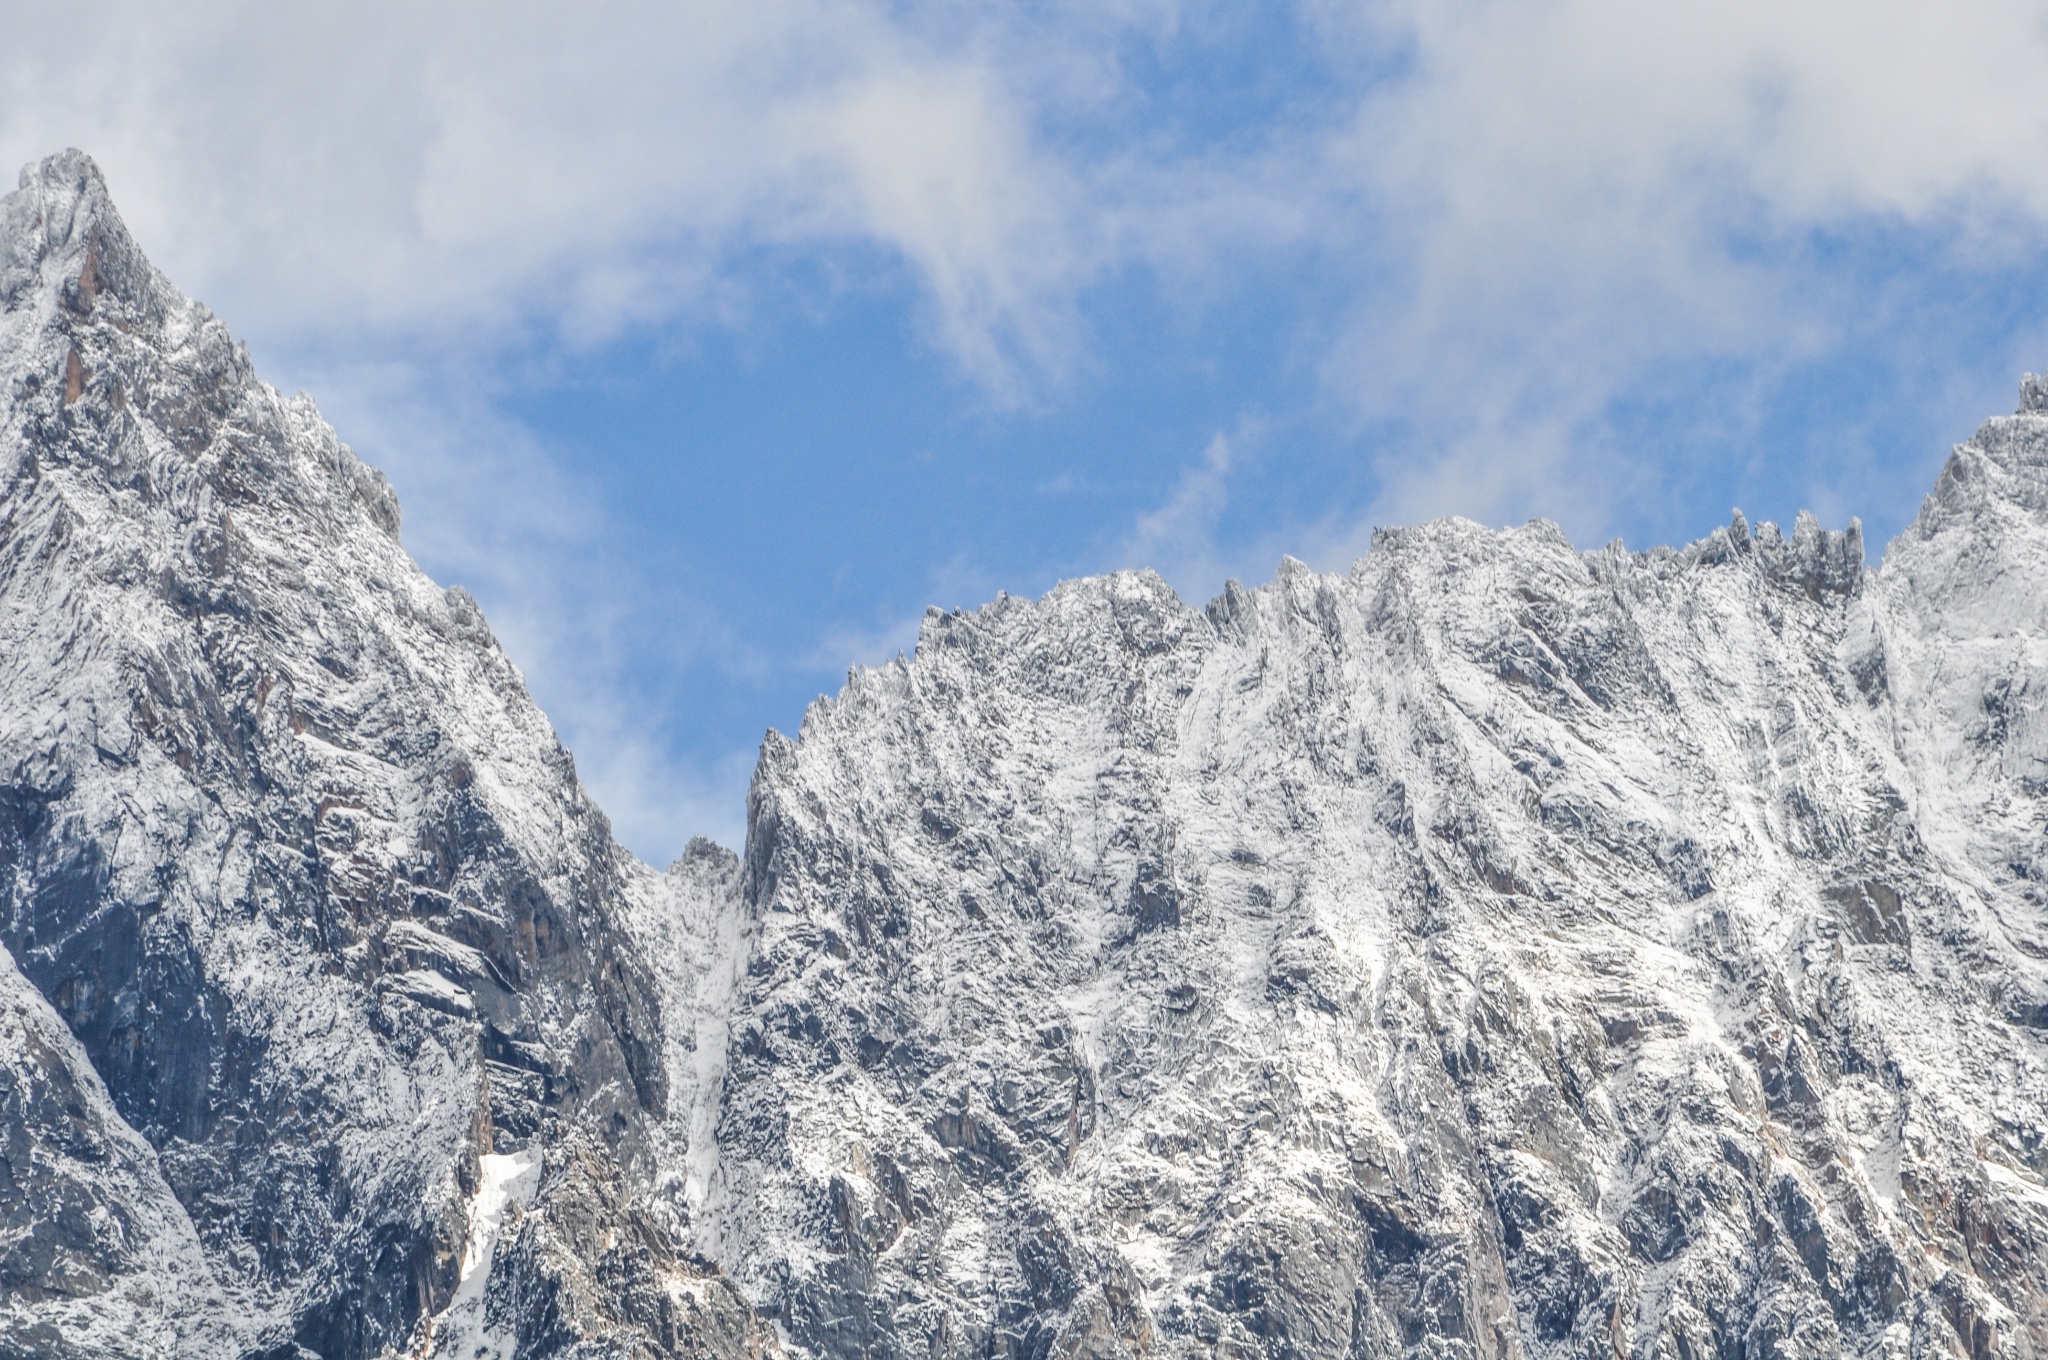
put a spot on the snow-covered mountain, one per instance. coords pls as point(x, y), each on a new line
point(1498, 950)
point(327, 1020)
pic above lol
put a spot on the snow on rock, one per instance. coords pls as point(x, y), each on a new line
point(689, 925)
point(1496, 950)
point(505, 1183)
point(288, 850)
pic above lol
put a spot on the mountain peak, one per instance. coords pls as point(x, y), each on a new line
point(60, 227)
point(288, 850)
point(1499, 950)
point(68, 172)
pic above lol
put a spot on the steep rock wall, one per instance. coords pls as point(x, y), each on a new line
point(1497, 950)
point(289, 850)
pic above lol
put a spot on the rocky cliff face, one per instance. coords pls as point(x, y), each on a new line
point(316, 943)
point(1499, 950)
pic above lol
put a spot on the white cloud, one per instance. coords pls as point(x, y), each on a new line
point(1569, 197)
point(850, 645)
point(1177, 538)
point(450, 170)
point(1529, 202)
point(940, 166)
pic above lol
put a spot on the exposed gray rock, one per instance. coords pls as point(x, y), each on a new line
point(1497, 950)
point(290, 852)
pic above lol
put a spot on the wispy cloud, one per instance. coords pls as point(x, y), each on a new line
point(1177, 538)
point(1521, 207)
point(1573, 200)
point(458, 169)
point(844, 644)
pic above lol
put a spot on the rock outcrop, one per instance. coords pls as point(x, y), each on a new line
point(291, 858)
point(1497, 950)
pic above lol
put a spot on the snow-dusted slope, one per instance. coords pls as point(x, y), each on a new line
point(288, 849)
point(1497, 950)
point(690, 926)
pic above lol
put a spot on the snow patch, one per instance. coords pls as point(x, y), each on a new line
point(505, 1180)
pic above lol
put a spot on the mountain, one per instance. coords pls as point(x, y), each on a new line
point(317, 944)
point(1497, 950)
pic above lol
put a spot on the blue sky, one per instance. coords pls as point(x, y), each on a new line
point(709, 344)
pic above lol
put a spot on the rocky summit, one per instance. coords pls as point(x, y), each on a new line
point(1499, 950)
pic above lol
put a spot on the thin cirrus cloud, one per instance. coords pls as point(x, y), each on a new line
point(1580, 258)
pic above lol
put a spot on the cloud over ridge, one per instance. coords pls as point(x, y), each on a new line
point(1510, 258)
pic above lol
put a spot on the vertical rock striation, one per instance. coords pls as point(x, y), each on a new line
point(290, 854)
point(1498, 950)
